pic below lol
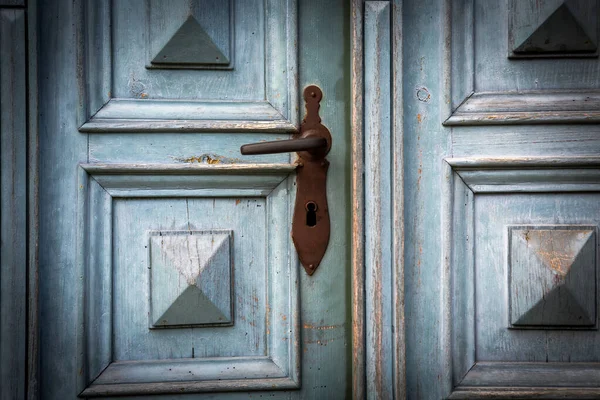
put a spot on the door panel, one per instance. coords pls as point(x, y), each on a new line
point(525, 275)
point(161, 259)
point(501, 192)
point(167, 265)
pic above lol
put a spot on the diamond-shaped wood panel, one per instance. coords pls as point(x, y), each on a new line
point(552, 276)
point(552, 28)
point(190, 278)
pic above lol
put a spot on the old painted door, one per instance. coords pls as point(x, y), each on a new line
point(482, 198)
point(166, 262)
point(502, 201)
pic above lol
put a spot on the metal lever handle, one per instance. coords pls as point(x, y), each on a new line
point(310, 223)
point(310, 144)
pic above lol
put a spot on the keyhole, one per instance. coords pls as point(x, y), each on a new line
point(311, 213)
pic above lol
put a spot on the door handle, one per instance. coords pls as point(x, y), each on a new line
point(310, 223)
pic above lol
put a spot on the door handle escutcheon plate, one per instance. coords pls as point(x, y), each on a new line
point(310, 223)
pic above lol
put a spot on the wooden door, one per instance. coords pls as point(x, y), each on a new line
point(482, 200)
point(166, 265)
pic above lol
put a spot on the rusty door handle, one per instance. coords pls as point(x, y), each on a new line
point(310, 144)
point(310, 224)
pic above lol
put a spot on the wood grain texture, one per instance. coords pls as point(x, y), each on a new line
point(397, 201)
point(13, 198)
point(426, 142)
point(265, 80)
point(525, 393)
point(532, 31)
point(378, 229)
point(189, 149)
point(584, 375)
point(358, 191)
point(108, 322)
point(551, 276)
point(326, 316)
point(497, 79)
point(528, 107)
point(122, 115)
point(324, 334)
point(33, 331)
point(528, 174)
point(213, 25)
point(478, 282)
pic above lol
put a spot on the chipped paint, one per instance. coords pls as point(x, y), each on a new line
point(423, 94)
point(556, 261)
point(322, 327)
point(211, 159)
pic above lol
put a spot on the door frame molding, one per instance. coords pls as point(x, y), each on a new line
point(378, 333)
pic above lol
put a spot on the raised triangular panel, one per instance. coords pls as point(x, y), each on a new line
point(190, 45)
point(557, 308)
point(552, 277)
point(190, 278)
point(560, 33)
point(189, 307)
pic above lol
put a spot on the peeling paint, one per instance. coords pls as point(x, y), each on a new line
point(208, 159)
point(423, 94)
point(322, 327)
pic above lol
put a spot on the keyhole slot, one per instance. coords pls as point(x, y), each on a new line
point(311, 213)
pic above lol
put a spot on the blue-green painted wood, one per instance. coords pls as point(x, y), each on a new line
point(425, 144)
point(13, 201)
point(378, 213)
point(457, 213)
point(139, 173)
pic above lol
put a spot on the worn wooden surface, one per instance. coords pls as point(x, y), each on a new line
point(33, 336)
point(358, 192)
point(425, 144)
point(555, 193)
point(143, 174)
point(528, 107)
point(378, 229)
point(456, 213)
point(220, 100)
point(13, 198)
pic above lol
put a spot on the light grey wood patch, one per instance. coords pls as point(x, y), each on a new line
point(13, 199)
point(527, 107)
point(551, 271)
point(202, 261)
